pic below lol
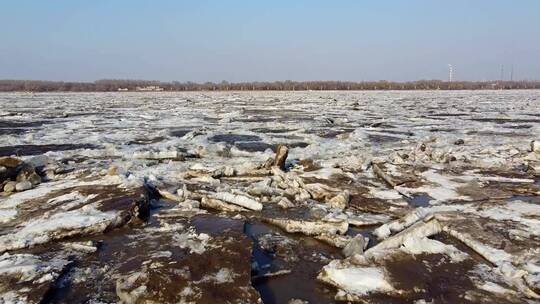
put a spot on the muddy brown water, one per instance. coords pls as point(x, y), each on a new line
point(301, 282)
point(123, 251)
point(127, 250)
point(441, 282)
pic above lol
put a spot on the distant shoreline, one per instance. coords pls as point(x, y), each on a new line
point(114, 85)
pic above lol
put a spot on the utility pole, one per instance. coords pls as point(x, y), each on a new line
point(512, 72)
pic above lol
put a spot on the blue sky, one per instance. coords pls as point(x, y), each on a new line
point(268, 40)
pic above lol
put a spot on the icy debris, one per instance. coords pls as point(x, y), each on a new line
point(260, 189)
point(355, 246)
point(279, 245)
point(28, 267)
point(340, 201)
point(86, 220)
point(323, 173)
point(366, 219)
point(70, 200)
point(224, 275)
point(500, 258)
point(166, 227)
point(354, 282)
point(272, 274)
point(131, 287)
point(286, 180)
point(45, 189)
point(16, 175)
point(6, 215)
point(384, 231)
point(445, 190)
point(336, 240)
point(159, 155)
point(495, 256)
point(13, 297)
point(418, 230)
point(39, 161)
point(532, 279)
point(66, 198)
point(226, 171)
point(196, 243)
point(418, 245)
point(285, 203)
point(320, 192)
point(23, 186)
point(382, 175)
point(239, 200)
point(27, 173)
point(212, 203)
point(170, 196)
point(85, 247)
point(310, 227)
point(535, 146)
point(334, 216)
point(435, 144)
point(162, 254)
point(10, 187)
point(297, 301)
point(390, 194)
point(501, 179)
point(496, 288)
point(517, 211)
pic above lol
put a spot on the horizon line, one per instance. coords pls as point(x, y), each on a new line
point(266, 81)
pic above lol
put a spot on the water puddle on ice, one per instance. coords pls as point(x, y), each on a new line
point(179, 132)
point(420, 200)
point(366, 231)
point(21, 150)
point(532, 199)
point(233, 138)
point(255, 146)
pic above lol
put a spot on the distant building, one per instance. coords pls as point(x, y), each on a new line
point(123, 89)
point(149, 88)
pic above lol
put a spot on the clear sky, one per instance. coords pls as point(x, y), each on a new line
point(78, 40)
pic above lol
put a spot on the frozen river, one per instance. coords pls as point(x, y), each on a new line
point(380, 197)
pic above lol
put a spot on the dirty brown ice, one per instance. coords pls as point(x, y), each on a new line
point(276, 197)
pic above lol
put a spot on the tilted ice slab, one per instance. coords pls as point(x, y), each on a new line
point(8, 206)
point(86, 220)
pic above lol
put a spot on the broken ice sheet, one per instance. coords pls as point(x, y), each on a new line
point(444, 155)
point(26, 278)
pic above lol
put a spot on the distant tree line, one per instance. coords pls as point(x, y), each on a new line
point(109, 85)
